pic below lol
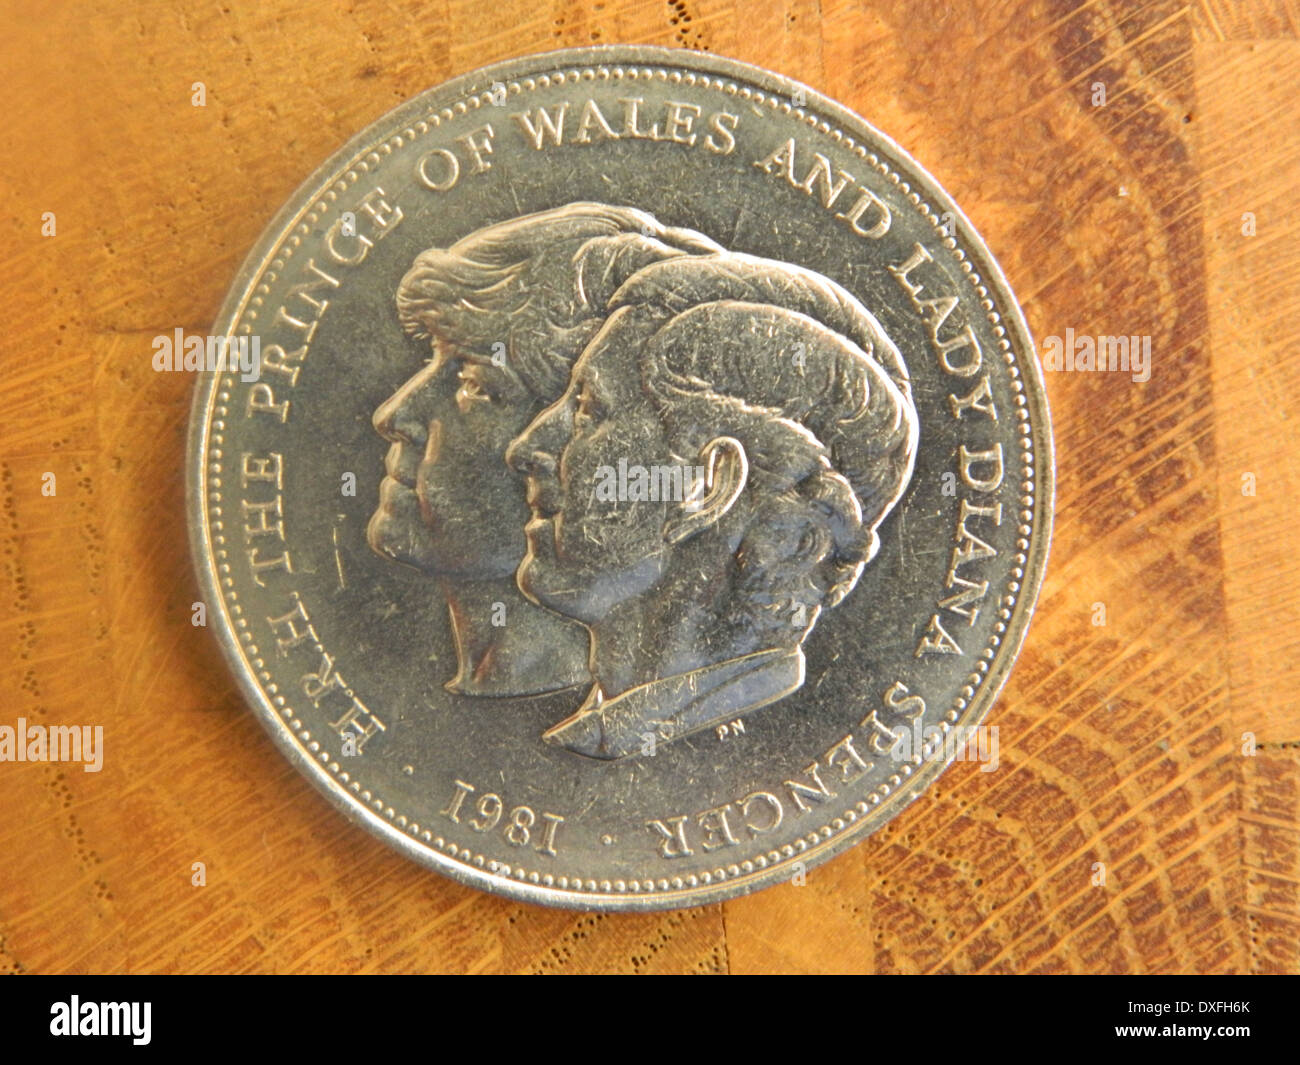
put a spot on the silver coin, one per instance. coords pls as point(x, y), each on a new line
point(637, 482)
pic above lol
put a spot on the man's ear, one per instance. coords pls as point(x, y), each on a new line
point(726, 471)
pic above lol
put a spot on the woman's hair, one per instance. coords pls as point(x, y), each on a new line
point(795, 368)
point(538, 284)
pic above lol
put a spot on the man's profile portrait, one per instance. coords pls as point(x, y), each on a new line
point(786, 392)
point(504, 311)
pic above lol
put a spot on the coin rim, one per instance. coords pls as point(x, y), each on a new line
point(977, 252)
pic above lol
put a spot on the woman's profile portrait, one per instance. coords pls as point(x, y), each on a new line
point(787, 393)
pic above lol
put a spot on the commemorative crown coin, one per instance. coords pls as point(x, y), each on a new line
point(629, 481)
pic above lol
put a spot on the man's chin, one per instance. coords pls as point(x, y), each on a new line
point(389, 537)
point(384, 535)
point(378, 536)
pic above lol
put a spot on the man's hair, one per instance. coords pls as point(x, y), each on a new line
point(538, 284)
point(798, 370)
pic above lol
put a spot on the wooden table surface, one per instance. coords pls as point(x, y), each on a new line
point(1167, 211)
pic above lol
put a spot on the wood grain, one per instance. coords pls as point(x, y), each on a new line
point(1120, 744)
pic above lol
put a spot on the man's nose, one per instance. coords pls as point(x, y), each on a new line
point(401, 418)
point(535, 451)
